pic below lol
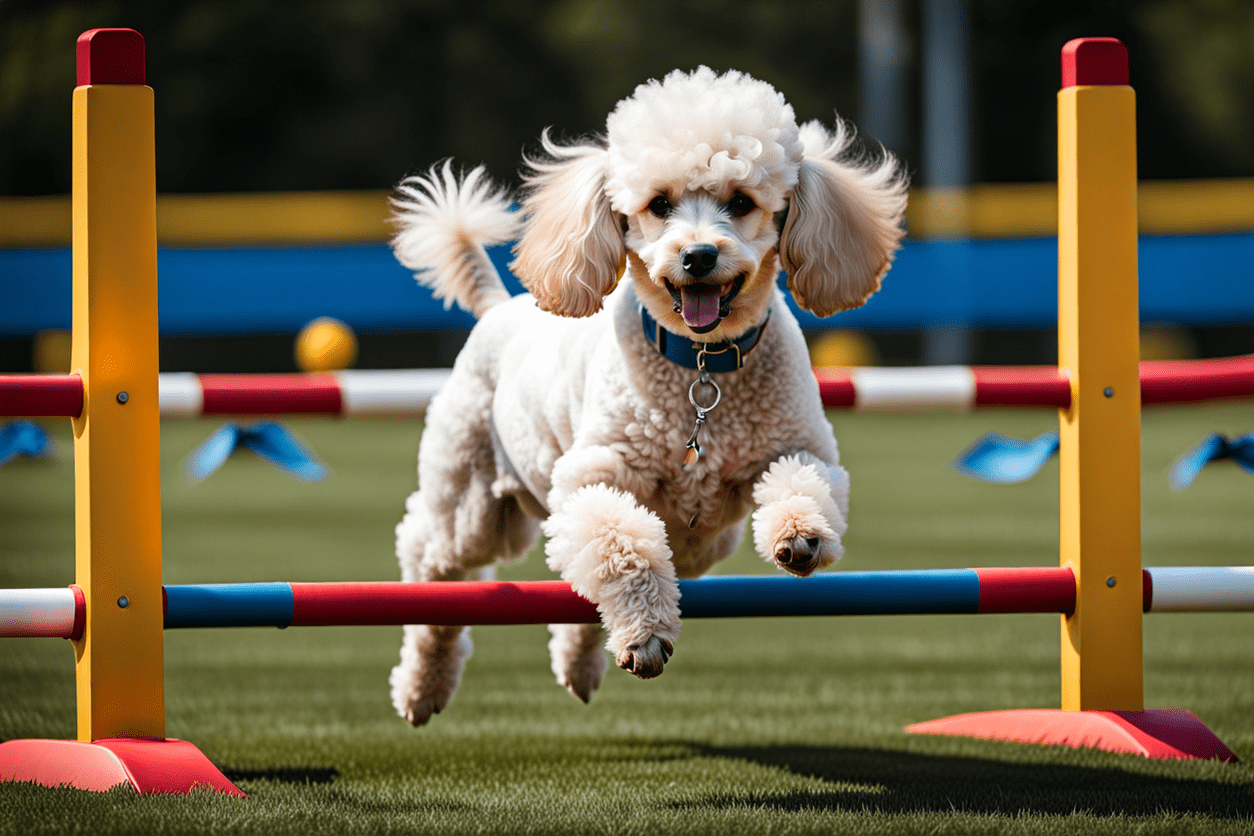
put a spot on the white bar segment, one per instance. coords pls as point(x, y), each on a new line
point(180, 393)
point(922, 389)
point(37, 612)
point(388, 392)
point(1202, 589)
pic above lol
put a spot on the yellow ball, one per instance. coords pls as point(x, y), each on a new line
point(325, 345)
point(843, 348)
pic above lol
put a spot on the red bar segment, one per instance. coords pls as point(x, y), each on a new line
point(1097, 61)
point(835, 387)
point(110, 56)
point(381, 603)
point(1188, 381)
point(271, 394)
point(1021, 386)
point(1026, 589)
point(41, 395)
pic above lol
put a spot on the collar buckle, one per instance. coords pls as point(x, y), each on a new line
point(704, 349)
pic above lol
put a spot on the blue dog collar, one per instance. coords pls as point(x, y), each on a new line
point(723, 356)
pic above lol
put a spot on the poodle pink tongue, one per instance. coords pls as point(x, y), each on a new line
point(700, 304)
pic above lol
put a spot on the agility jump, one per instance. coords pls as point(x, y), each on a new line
point(117, 610)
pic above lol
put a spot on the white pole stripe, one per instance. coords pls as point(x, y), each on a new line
point(388, 392)
point(180, 393)
point(923, 388)
point(1202, 589)
point(37, 612)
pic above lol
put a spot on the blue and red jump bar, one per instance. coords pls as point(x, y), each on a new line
point(996, 590)
point(61, 612)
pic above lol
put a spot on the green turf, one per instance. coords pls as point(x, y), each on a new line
point(757, 726)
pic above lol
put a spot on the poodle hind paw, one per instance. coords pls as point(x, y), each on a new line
point(582, 685)
point(417, 697)
point(424, 682)
point(646, 660)
point(418, 711)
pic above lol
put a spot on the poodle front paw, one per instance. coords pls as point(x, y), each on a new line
point(646, 660)
point(799, 555)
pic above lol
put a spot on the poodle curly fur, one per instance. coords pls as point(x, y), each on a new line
point(560, 416)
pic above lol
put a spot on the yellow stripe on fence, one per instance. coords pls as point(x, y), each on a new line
point(1021, 210)
point(263, 218)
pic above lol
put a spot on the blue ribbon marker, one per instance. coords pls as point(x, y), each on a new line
point(23, 438)
point(1213, 447)
point(1005, 460)
point(272, 442)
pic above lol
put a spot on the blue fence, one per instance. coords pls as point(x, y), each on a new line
point(1185, 279)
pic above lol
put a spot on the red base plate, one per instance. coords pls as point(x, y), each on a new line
point(147, 765)
point(1154, 733)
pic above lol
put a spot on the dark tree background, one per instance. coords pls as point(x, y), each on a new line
point(346, 94)
point(354, 94)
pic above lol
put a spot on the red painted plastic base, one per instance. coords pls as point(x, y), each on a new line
point(147, 765)
point(1154, 733)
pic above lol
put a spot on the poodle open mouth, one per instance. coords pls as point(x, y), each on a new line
point(703, 306)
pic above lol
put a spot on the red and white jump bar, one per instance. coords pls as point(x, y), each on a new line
point(961, 388)
point(408, 392)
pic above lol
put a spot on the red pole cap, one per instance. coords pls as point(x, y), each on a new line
point(1094, 61)
point(110, 56)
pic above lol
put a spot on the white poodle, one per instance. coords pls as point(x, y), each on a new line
point(638, 423)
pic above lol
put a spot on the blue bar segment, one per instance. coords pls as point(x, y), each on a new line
point(839, 593)
point(229, 605)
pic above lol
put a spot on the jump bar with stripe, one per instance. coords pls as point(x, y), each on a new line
point(408, 392)
point(1043, 589)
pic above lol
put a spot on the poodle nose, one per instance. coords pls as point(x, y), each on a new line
point(698, 259)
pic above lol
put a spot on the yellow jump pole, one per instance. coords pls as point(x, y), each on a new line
point(1100, 437)
point(121, 691)
point(117, 476)
point(1098, 348)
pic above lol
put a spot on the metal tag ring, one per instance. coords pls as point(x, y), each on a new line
point(692, 396)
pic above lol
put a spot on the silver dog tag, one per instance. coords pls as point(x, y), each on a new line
point(692, 451)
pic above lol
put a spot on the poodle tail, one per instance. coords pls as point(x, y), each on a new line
point(444, 226)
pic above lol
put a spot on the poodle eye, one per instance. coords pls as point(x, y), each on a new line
point(740, 205)
point(660, 206)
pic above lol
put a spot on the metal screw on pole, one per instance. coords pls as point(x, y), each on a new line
point(124, 602)
point(1111, 581)
point(123, 397)
point(1108, 392)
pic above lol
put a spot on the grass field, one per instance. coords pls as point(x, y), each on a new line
point(757, 726)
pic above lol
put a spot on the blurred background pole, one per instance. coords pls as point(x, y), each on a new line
point(883, 56)
point(947, 142)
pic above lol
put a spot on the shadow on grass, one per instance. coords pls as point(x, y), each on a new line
point(888, 781)
point(312, 775)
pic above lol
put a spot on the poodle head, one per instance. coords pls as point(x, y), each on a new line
point(704, 185)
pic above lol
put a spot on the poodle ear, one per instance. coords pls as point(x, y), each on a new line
point(844, 224)
point(571, 249)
